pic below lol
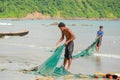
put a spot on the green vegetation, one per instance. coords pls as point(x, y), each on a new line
point(61, 8)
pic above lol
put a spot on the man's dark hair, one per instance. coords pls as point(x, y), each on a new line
point(101, 27)
point(61, 24)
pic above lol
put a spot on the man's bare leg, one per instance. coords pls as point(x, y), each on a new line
point(96, 48)
point(69, 64)
point(65, 62)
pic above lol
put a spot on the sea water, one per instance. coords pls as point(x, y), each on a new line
point(28, 51)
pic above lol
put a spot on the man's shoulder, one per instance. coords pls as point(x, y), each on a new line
point(103, 32)
point(67, 29)
point(100, 31)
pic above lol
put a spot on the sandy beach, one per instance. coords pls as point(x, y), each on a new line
point(15, 75)
point(18, 53)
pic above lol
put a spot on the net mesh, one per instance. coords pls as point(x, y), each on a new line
point(49, 67)
point(87, 52)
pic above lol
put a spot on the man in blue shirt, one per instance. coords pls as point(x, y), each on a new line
point(100, 34)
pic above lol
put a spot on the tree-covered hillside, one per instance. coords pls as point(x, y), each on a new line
point(61, 8)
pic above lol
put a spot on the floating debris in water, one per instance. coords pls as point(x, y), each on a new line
point(86, 24)
point(54, 23)
point(3, 69)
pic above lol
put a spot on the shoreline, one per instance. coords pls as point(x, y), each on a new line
point(102, 19)
point(39, 16)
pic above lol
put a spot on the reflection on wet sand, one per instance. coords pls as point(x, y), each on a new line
point(98, 62)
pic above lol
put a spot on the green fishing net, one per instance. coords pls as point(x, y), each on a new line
point(49, 67)
point(87, 52)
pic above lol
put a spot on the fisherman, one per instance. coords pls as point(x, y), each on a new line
point(69, 44)
point(100, 34)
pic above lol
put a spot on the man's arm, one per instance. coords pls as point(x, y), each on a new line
point(60, 40)
point(99, 36)
point(72, 37)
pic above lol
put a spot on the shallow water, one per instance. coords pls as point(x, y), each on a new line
point(33, 49)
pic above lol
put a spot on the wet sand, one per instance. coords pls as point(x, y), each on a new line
point(15, 75)
point(33, 49)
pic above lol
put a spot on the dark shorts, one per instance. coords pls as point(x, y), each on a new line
point(99, 41)
point(69, 50)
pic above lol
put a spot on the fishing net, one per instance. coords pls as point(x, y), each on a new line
point(87, 52)
point(49, 67)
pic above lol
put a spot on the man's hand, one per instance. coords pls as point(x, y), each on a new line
point(66, 43)
point(57, 46)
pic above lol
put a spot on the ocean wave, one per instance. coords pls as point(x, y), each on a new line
point(28, 45)
point(5, 23)
point(6, 37)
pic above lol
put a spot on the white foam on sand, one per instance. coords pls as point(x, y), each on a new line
point(107, 55)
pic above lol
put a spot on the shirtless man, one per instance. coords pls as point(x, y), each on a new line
point(67, 33)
